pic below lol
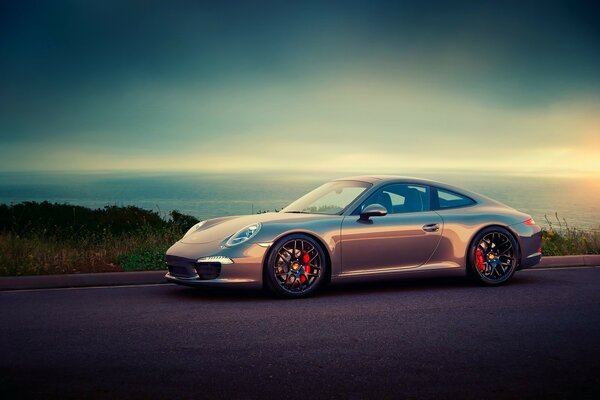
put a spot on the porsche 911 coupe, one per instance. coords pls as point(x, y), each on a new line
point(358, 228)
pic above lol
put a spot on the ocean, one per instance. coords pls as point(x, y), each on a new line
point(575, 200)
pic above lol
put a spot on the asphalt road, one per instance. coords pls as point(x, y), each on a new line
point(538, 337)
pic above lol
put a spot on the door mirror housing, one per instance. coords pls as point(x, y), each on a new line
point(373, 210)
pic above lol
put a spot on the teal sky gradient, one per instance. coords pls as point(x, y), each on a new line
point(315, 86)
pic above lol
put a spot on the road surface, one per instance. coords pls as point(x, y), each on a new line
point(538, 337)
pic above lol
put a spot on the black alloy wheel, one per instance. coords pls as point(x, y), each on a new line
point(296, 267)
point(493, 256)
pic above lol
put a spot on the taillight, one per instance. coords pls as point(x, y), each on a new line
point(529, 222)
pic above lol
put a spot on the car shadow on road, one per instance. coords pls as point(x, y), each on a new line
point(346, 289)
point(415, 284)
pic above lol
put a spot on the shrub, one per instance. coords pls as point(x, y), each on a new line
point(149, 258)
point(45, 238)
point(560, 239)
point(181, 221)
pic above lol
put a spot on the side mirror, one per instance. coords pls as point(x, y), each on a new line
point(373, 210)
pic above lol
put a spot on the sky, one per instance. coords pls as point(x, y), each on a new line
point(308, 86)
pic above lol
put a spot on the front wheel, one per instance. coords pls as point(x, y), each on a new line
point(493, 256)
point(296, 267)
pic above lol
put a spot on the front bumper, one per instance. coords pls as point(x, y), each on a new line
point(195, 282)
point(245, 271)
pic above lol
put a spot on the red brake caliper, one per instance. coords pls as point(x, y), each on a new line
point(479, 260)
point(306, 262)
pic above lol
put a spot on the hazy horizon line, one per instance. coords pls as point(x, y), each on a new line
point(297, 172)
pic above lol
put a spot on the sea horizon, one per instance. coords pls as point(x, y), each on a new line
point(575, 200)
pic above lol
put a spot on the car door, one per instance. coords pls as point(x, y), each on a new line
point(404, 238)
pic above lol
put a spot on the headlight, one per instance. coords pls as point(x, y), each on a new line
point(243, 235)
point(194, 228)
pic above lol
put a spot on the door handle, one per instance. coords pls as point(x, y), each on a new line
point(431, 227)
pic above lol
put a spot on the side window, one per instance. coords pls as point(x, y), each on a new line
point(400, 198)
point(448, 199)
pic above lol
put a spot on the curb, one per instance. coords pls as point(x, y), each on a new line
point(82, 280)
point(157, 277)
point(588, 260)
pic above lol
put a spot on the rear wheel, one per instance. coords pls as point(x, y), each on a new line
point(493, 256)
point(296, 267)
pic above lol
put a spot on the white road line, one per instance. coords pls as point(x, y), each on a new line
point(85, 287)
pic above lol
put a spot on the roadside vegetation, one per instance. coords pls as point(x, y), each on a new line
point(46, 238)
point(560, 239)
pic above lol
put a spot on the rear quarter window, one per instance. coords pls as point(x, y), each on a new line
point(447, 199)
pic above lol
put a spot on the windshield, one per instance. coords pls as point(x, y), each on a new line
point(331, 198)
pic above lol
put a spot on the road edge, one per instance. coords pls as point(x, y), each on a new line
point(82, 280)
point(157, 277)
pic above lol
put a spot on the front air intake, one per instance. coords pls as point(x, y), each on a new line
point(182, 271)
point(208, 270)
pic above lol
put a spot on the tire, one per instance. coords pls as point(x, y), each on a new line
point(296, 267)
point(493, 256)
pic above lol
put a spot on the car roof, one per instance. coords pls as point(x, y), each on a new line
point(388, 178)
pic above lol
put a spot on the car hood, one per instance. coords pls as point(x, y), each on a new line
point(219, 229)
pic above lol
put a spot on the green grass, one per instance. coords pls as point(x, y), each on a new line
point(560, 239)
point(46, 238)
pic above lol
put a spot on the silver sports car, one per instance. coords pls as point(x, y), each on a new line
point(355, 229)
